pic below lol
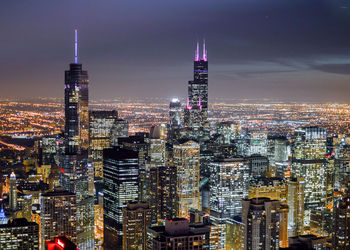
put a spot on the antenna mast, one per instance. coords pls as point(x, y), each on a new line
point(76, 47)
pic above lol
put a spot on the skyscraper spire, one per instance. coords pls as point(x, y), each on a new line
point(76, 47)
point(196, 58)
point(205, 58)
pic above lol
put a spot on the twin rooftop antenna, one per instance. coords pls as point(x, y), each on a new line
point(205, 54)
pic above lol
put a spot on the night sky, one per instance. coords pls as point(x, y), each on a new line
point(282, 49)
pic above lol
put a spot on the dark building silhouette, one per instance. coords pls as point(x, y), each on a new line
point(19, 234)
point(260, 217)
point(120, 178)
point(341, 233)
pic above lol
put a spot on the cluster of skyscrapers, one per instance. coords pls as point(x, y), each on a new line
point(188, 184)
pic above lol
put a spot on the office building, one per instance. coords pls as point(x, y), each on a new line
point(136, 218)
point(228, 131)
point(156, 148)
point(120, 129)
point(175, 114)
point(309, 161)
point(234, 233)
point(101, 123)
point(341, 231)
point(61, 243)
point(187, 164)
point(19, 234)
point(296, 206)
point(308, 242)
point(228, 185)
point(58, 215)
point(196, 111)
point(273, 188)
point(176, 234)
point(121, 173)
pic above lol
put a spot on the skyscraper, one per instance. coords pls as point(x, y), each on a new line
point(309, 161)
point(228, 186)
point(175, 114)
point(120, 177)
point(101, 123)
point(58, 216)
point(186, 161)
point(341, 233)
point(76, 96)
point(296, 206)
point(261, 218)
point(120, 129)
point(196, 111)
point(76, 172)
point(136, 218)
point(13, 192)
point(161, 191)
point(228, 131)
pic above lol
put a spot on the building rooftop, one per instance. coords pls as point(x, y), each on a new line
point(18, 223)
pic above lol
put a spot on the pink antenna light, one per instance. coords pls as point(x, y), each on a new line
point(200, 103)
point(196, 57)
point(205, 57)
point(76, 47)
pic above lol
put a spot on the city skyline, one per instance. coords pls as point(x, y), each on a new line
point(134, 174)
point(292, 51)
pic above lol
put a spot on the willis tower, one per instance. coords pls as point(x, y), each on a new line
point(196, 111)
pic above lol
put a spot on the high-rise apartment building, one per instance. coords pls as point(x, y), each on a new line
point(261, 220)
point(120, 178)
point(162, 193)
point(228, 185)
point(58, 215)
point(136, 218)
point(187, 162)
point(296, 206)
point(101, 123)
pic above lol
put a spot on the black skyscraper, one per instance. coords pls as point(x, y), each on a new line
point(75, 168)
point(120, 178)
point(76, 96)
point(196, 111)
